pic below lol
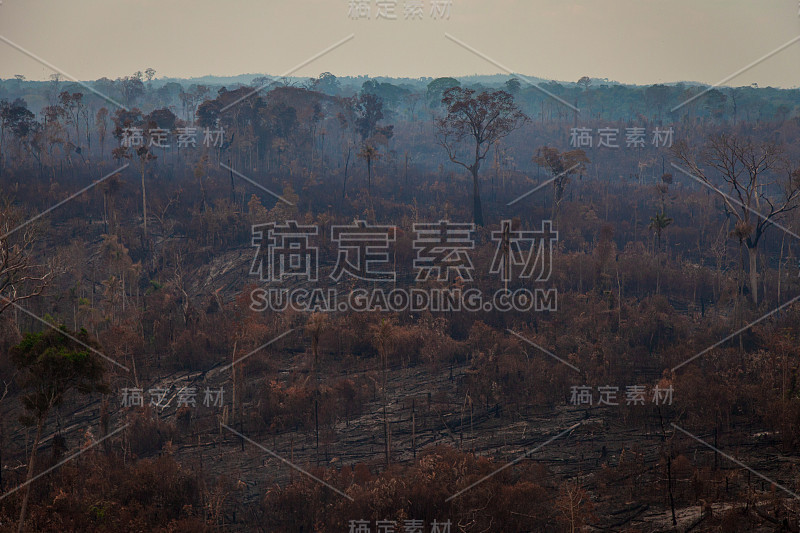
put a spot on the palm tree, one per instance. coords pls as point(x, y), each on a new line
point(368, 153)
point(658, 224)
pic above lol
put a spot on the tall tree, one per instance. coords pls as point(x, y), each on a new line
point(761, 186)
point(20, 277)
point(149, 74)
point(657, 96)
point(326, 83)
point(658, 224)
point(561, 166)
point(368, 153)
point(74, 108)
point(135, 149)
point(16, 118)
point(101, 124)
point(437, 88)
point(131, 88)
point(484, 119)
point(368, 112)
point(52, 365)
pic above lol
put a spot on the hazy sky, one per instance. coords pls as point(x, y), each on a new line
point(632, 41)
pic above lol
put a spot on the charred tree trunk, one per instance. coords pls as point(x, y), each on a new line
point(29, 476)
point(753, 255)
point(346, 167)
point(477, 211)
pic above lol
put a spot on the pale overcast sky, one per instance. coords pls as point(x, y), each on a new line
point(631, 41)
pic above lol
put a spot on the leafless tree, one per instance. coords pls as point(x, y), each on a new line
point(21, 277)
point(761, 186)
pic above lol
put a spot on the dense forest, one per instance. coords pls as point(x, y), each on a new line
point(632, 364)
